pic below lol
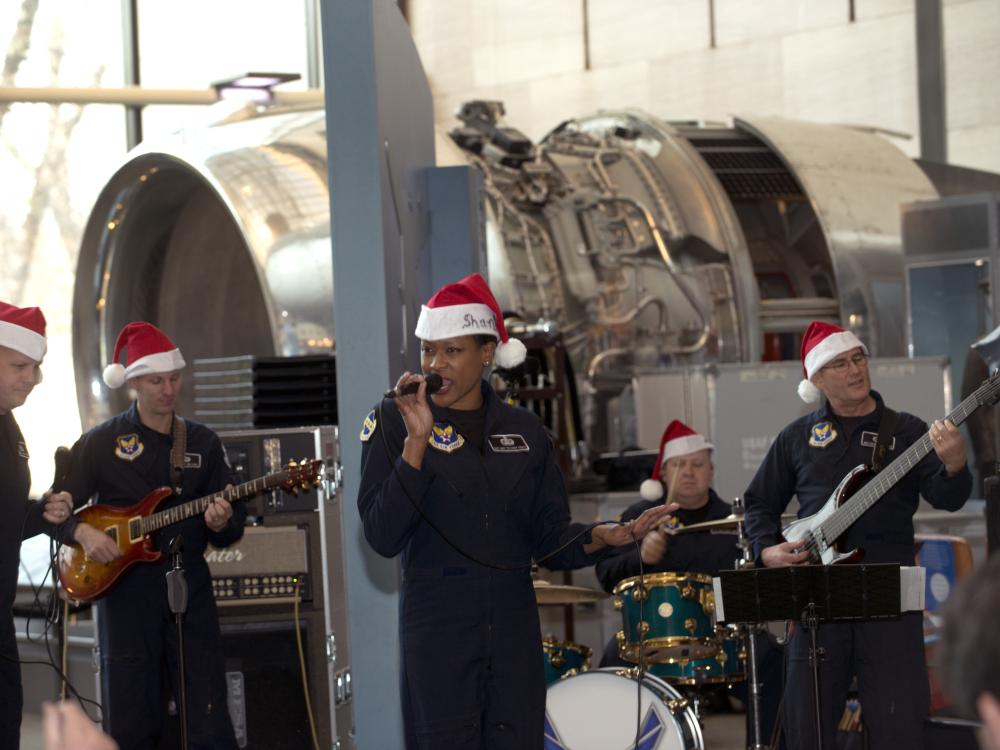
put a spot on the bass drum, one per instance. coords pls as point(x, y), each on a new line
point(597, 711)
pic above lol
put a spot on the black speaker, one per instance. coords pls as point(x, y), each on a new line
point(267, 700)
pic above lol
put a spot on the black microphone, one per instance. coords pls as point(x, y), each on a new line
point(62, 467)
point(434, 383)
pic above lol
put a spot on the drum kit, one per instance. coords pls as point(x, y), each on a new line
point(675, 648)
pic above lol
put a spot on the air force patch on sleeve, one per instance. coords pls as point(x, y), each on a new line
point(822, 434)
point(444, 438)
point(368, 428)
point(508, 444)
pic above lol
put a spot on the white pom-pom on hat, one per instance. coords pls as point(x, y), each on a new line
point(808, 392)
point(510, 353)
point(651, 489)
point(114, 375)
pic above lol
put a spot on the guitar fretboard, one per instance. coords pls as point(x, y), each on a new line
point(851, 511)
point(160, 519)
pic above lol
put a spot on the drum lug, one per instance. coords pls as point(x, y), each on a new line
point(640, 594)
point(642, 628)
point(678, 705)
point(687, 591)
point(708, 602)
point(691, 625)
point(617, 604)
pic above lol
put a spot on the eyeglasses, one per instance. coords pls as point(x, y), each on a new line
point(840, 366)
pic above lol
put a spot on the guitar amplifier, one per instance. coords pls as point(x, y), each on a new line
point(264, 567)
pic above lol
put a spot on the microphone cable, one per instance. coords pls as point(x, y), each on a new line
point(437, 529)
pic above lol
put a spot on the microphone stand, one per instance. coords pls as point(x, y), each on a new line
point(177, 595)
point(746, 562)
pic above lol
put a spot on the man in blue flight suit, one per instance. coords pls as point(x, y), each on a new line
point(22, 347)
point(685, 464)
point(118, 463)
point(808, 459)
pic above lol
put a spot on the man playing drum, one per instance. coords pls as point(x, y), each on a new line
point(684, 474)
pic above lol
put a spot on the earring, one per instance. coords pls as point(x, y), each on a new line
point(486, 363)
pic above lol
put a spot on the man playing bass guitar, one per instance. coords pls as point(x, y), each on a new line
point(808, 459)
point(119, 462)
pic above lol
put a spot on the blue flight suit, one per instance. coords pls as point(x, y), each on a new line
point(22, 519)
point(808, 459)
point(472, 670)
point(137, 631)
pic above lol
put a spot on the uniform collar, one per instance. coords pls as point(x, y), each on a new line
point(490, 400)
point(827, 413)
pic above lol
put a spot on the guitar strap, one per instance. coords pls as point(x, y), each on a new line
point(178, 431)
point(884, 439)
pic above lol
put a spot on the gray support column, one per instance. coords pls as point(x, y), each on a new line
point(380, 139)
point(930, 81)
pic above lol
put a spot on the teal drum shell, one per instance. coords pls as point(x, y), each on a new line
point(564, 659)
point(671, 614)
point(727, 666)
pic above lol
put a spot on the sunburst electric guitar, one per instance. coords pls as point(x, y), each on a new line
point(820, 532)
point(131, 528)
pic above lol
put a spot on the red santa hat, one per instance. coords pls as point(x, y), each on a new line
point(678, 440)
point(821, 343)
point(467, 308)
point(149, 350)
point(23, 330)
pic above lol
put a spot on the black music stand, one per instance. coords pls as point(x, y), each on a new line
point(811, 594)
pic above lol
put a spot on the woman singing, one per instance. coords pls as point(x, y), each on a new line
point(465, 489)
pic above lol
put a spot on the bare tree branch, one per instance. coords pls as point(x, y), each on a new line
point(17, 48)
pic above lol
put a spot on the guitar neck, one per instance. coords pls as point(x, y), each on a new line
point(886, 479)
point(160, 519)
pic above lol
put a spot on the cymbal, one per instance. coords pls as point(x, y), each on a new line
point(556, 593)
point(719, 524)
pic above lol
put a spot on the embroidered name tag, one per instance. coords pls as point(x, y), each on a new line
point(508, 444)
point(444, 438)
point(128, 447)
point(22, 450)
point(822, 434)
point(868, 440)
point(192, 460)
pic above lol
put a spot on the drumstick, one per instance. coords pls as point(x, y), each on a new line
point(672, 485)
point(671, 491)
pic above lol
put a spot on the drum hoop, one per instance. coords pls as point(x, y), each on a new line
point(630, 650)
point(584, 651)
point(657, 579)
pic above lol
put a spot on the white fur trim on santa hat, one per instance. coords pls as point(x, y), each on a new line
point(830, 347)
point(23, 340)
point(115, 375)
point(651, 489)
point(808, 392)
point(510, 353)
point(436, 323)
point(682, 446)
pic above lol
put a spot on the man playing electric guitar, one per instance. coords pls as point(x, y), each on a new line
point(119, 462)
point(808, 460)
